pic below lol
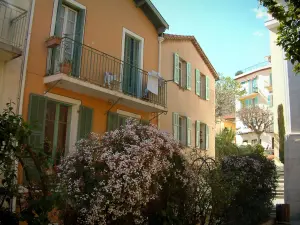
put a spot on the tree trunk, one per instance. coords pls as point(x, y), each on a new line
point(258, 138)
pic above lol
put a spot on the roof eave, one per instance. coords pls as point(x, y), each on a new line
point(154, 16)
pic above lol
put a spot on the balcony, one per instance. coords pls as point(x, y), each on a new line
point(13, 27)
point(255, 67)
point(82, 69)
point(253, 92)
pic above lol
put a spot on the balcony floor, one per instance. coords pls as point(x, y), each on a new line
point(76, 85)
point(8, 52)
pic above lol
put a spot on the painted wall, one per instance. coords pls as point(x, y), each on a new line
point(186, 102)
point(103, 31)
point(266, 139)
point(9, 82)
point(10, 71)
point(286, 91)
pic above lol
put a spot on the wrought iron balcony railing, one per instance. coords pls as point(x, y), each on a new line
point(13, 24)
point(96, 67)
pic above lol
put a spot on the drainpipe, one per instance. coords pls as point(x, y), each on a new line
point(160, 40)
point(23, 78)
point(24, 61)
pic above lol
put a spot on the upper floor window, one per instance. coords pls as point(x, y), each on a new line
point(202, 85)
point(182, 72)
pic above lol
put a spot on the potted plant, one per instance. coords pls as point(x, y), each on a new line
point(53, 41)
point(66, 66)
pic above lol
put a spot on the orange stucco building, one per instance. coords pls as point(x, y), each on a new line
point(191, 93)
point(93, 73)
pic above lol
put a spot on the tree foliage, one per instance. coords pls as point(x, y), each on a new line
point(258, 119)
point(227, 91)
point(288, 32)
point(281, 132)
point(14, 147)
point(239, 72)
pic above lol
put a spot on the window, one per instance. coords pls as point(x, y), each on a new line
point(270, 99)
point(116, 120)
point(254, 142)
point(203, 86)
point(182, 129)
point(182, 72)
point(273, 140)
point(245, 142)
point(254, 85)
point(202, 135)
point(56, 127)
point(132, 79)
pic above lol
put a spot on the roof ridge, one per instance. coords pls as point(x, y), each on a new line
point(193, 39)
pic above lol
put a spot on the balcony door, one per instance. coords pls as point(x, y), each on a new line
point(67, 19)
point(132, 74)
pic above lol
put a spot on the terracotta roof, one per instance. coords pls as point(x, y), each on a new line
point(232, 116)
point(198, 48)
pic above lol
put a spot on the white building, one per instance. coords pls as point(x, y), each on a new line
point(15, 17)
point(286, 91)
point(257, 83)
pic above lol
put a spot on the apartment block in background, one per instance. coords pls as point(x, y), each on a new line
point(257, 83)
point(14, 22)
point(91, 65)
point(191, 93)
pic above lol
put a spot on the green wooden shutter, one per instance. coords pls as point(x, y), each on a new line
point(197, 78)
point(188, 76)
point(271, 81)
point(197, 134)
point(77, 52)
point(206, 137)
point(85, 122)
point(176, 68)
point(249, 87)
point(176, 126)
point(36, 119)
point(58, 23)
point(112, 121)
point(188, 131)
point(207, 87)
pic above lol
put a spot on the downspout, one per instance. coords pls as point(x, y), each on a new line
point(23, 78)
point(24, 61)
point(160, 40)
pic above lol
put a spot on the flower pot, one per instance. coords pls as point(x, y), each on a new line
point(66, 68)
point(53, 42)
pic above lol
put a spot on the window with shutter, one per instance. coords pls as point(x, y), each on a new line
point(36, 119)
point(206, 137)
point(189, 131)
point(176, 68)
point(197, 79)
point(175, 123)
point(188, 76)
point(85, 121)
point(207, 88)
point(197, 134)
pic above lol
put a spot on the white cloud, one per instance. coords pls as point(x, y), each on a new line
point(258, 33)
point(261, 13)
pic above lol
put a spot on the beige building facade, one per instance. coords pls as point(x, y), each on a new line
point(191, 93)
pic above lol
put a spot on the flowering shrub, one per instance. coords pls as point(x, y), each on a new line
point(113, 180)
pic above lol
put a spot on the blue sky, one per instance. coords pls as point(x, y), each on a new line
point(232, 34)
